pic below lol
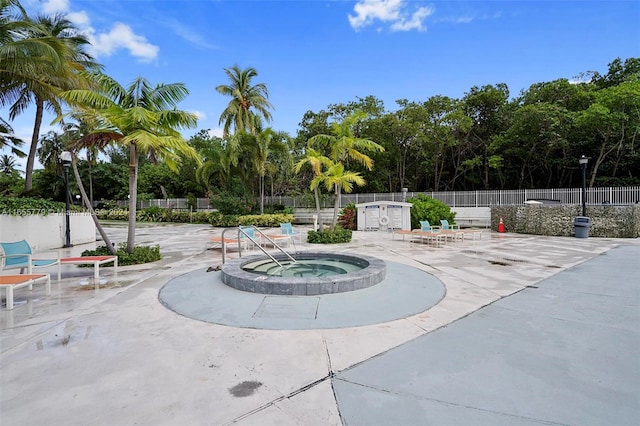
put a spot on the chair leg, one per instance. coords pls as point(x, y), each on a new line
point(9, 297)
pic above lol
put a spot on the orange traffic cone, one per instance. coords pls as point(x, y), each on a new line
point(501, 226)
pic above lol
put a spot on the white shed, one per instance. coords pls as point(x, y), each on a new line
point(384, 215)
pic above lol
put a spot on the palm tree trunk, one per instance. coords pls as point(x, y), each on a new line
point(89, 160)
point(28, 174)
point(315, 193)
point(133, 196)
point(261, 194)
point(89, 206)
point(336, 209)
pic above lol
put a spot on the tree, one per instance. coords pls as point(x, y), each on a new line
point(263, 144)
point(141, 117)
point(7, 165)
point(612, 122)
point(337, 179)
point(40, 79)
point(343, 146)
point(316, 160)
point(487, 106)
point(8, 139)
point(248, 102)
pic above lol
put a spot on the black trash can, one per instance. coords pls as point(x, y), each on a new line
point(582, 225)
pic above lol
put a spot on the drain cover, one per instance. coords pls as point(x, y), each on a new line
point(291, 307)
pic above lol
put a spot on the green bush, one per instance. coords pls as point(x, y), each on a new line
point(231, 204)
point(427, 208)
point(141, 254)
point(262, 221)
point(338, 235)
point(32, 206)
point(151, 214)
point(348, 217)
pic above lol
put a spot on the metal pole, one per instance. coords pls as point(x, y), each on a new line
point(583, 163)
point(67, 242)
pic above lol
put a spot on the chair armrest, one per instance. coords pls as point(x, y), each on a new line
point(27, 255)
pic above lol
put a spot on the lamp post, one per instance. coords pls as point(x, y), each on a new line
point(583, 164)
point(404, 194)
point(65, 158)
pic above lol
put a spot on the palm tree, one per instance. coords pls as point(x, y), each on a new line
point(141, 117)
point(263, 145)
point(316, 160)
point(7, 165)
point(73, 132)
point(338, 179)
point(245, 99)
point(8, 139)
point(39, 79)
point(215, 168)
point(344, 146)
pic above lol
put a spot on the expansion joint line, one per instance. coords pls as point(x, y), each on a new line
point(279, 399)
point(330, 375)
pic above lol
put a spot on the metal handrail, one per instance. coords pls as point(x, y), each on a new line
point(274, 244)
point(254, 242)
point(224, 252)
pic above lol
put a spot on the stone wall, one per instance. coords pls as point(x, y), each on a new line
point(557, 220)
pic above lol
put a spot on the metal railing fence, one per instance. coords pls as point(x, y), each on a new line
point(608, 195)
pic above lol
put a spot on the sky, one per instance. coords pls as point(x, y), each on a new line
point(313, 53)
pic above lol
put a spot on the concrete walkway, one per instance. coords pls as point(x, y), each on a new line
point(532, 330)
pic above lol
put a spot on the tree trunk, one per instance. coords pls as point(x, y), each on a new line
point(28, 174)
point(89, 206)
point(90, 185)
point(133, 196)
point(320, 225)
point(336, 209)
point(261, 194)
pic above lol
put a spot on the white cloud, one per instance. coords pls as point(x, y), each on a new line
point(120, 36)
point(201, 115)
point(394, 12)
point(55, 6)
point(415, 22)
point(187, 34)
point(216, 132)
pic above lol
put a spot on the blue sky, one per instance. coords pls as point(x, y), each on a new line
point(313, 53)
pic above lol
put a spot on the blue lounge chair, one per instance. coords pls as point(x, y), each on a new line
point(18, 255)
point(452, 230)
point(455, 229)
point(429, 233)
point(287, 229)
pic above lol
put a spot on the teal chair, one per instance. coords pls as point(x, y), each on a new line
point(425, 226)
point(287, 229)
point(451, 229)
point(18, 255)
point(428, 232)
point(448, 227)
point(249, 236)
point(455, 230)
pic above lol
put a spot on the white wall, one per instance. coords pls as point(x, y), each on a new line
point(47, 232)
point(473, 216)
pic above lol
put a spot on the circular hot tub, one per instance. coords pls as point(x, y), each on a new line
point(312, 273)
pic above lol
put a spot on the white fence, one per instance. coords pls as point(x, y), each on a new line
point(610, 195)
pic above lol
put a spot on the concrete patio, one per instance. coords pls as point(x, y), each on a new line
point(531, 330)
